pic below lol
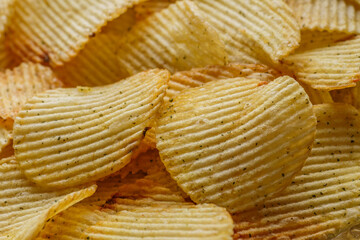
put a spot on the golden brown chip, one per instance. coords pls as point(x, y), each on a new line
point(328, 68)
point(53, 32)
point(323, 199)
point(66, 137)
point(25, 208)
point(177, 38)
point(96, 64)
point(20, 84)
point(254, 30)
point(234, 143)
point(147, 8)
point(198, 76)
point(5, 137)
point(329, 15)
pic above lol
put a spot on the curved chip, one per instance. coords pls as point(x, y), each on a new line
point(20, 84)
point(323, 199)
point(96, 64)
point(317, 96)
point(233, 143)
point(67, 137)
point(5, 137)
point(328, 68)
point(147, 8)
point(330, 15)
point(25, 208)
point(53, 32)
point(177, 38)
point(198, 76)
point(254, 28)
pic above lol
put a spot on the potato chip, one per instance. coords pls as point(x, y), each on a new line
point(317, 39)
point(317, 96)
point(198, 76)
point(66, 137)
point(177, 38)
point(147, 8)
point(25, 208)
point(323, 199)
point(257, 30)
point(5, 137)
point(234, 143)
point(330, 15)
point(96, 64)
point(328, 68)
point(20, 84)
point(53, 32)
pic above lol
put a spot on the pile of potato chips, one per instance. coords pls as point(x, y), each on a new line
point(179, 119)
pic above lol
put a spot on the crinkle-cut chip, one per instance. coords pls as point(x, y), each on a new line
point(71, 223)
point(317, 39)
point(323, 199)
point(66, 137)
point(336, 66)
point(233, 143)
point(198, 76)
point(317, 96)
point(177, 38)
point(161, 221)
point(348, 95)
point(254, 28)
point(351, 234)
point(150, 138)
point(25, 207)
point(96, 64)
point(53, 32)
point(147, 8)
point(329, 15)
point(21, 83)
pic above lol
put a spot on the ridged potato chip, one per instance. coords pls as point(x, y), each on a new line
point(53, 32)
point(67, 137)
point(257, 30)
point(147, 8)
point(234, 143)
point(330, 15)
point(328, 68)
point(177, 38)
point(96, 64)
point(317, 96)
point(25, 208)
point(323, 199)
point(20, 84)
point(6, 58)
point(198, 76)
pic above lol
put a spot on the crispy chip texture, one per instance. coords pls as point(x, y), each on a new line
point(96, 64)
point(66, 137)
point(254, 28)
point(317, 96)
point(25, 208)
point(147, 8)
point(198, 76)
point(53, 32)
point(328, 68)
point(5, 137)
point(233, 143)
point(323, 198)
point(330, 15)
point(21, 83)
point(177, 38)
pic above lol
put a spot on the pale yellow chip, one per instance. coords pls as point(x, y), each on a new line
point(96, 64)
point(66, 137)
point(317, 39)
point(53, 32)
point(234, 143)
point(147, 8)
point(177, 38)
point(330, 15)
point(323, 199)
point(198, 76)
point(328, 68)
point(25, 208)
point(256, 30)
point(20, 84)
point(317, 96)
